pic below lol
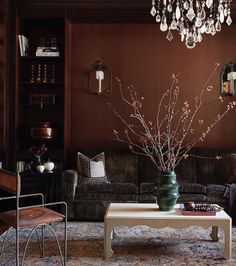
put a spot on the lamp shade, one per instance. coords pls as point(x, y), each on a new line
point(100, 78)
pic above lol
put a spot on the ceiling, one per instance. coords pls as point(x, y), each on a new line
point(107, 11)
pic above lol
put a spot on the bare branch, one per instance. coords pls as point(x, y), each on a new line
point(164, 141)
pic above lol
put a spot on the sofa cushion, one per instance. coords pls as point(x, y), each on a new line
point(211, 170)
point(186, 170)
point(191, 197)
point(215, 189)
point(233, 164)
point(91, 170)
point(113, 188)
point(146, 188)
point(121, 164)
point(146, 198)
point(114, 197)
point(216, 199)
point(147, 171)
point(92, 210)
point(192, 188)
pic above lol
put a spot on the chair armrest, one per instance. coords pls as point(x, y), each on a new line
point(69, 181)
point(25, 196)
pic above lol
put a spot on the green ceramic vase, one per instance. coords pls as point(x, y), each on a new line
point(166, 190)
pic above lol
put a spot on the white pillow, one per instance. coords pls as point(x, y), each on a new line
point(97, 169)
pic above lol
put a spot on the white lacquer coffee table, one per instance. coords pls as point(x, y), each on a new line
point(133, 214)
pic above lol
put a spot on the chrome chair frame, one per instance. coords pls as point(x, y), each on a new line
point(34, 229)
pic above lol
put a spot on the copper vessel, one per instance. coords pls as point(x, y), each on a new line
point(43, 130)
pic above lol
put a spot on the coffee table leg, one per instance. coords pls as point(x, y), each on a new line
point(228, 239)
point(215, 233)
point(113, 233)
point(108, 252)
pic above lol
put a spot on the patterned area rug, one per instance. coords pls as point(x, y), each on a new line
point(139, 245)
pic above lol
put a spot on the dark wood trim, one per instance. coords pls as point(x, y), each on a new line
point(67, 93)
point(95, 11)
point(9, 81)
point(41, 13)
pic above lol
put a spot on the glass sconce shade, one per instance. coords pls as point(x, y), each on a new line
point(100, 79)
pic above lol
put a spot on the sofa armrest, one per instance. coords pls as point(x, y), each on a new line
point(231, 180)
point(69, 181)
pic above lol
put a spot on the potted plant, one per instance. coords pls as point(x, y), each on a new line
point(169, 137)
point(37, 152)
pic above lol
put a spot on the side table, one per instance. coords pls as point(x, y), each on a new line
point(47, 183)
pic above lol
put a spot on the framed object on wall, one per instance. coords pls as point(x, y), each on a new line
point(228, 80)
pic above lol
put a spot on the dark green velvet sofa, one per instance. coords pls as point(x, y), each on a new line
point(202, 178)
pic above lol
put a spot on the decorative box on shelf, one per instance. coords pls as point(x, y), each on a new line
point(42, 99)
point(47, 51)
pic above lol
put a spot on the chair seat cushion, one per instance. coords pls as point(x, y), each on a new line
point(31, 217)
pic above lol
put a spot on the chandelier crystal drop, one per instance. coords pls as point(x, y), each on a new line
point(191, 18)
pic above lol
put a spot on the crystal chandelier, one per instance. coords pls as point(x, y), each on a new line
point(191, 18)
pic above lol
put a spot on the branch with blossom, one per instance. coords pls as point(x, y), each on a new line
point(165, 141)
point(38, 151)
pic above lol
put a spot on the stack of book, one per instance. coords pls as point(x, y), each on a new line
point(47, 51)
point(24, 45)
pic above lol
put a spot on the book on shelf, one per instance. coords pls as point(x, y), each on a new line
point(24, 45)
point(20, 45)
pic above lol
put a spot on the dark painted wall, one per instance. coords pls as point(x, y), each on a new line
point(1, 79)
point(141, 55)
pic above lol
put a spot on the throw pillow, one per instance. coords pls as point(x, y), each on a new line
point(97, 169)
point(91, 170)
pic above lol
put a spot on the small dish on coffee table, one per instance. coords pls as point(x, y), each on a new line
point(195, 209)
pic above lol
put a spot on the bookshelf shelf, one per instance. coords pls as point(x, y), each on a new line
point(43, 58)
point(44, 106)
point(40, 86)
point(49, 85)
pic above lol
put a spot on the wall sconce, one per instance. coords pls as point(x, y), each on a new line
point(100, 78)
point(228, 80)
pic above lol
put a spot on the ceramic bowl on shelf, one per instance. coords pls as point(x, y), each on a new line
point(40, 168)
point(49, 166)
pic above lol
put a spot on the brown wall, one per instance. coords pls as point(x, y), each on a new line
point(141, 55)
